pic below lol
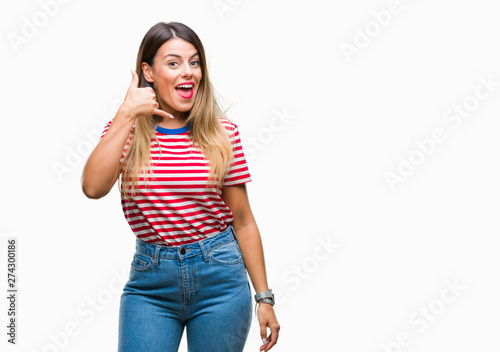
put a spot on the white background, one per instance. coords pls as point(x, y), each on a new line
point(319, 175)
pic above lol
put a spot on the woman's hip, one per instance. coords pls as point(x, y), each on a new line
point(212, 266)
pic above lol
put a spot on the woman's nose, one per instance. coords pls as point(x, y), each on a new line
point(186, 71)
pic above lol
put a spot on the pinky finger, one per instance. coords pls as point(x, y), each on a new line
point(271, 341)
point(163, 114)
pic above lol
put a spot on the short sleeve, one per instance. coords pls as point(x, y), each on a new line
point(106, 128)
point(238, 173)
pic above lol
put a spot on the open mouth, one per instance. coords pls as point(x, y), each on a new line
point(185, 90)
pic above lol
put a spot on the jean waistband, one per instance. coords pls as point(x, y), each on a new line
point(187, 250)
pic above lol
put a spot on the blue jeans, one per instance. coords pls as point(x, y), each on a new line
point(202, 285)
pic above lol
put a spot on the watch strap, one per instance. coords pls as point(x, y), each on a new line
point(264, 294)
point(267, 300)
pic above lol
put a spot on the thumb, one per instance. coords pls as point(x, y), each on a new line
point(135, 80)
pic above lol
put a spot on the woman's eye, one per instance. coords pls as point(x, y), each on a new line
point(195, 63)
point(173, 63)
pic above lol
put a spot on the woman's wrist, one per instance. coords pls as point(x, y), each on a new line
point(125, 114)
point(260, 303)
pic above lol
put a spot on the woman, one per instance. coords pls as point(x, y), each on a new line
point(183, 193)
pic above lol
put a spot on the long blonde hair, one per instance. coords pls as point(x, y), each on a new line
point(205, 129)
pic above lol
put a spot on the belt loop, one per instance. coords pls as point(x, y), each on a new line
point(234, 233)
point(204, 251)
point(156, 255)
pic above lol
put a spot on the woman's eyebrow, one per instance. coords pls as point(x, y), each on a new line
point(180, 56)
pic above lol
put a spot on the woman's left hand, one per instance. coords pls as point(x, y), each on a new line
point(267, 318)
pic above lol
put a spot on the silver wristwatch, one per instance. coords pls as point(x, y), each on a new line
point(265, 294)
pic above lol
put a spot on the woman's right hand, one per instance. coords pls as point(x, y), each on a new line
point(103, 165)
point(141, 101)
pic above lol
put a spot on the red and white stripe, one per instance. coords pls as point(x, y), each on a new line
point(177, 209)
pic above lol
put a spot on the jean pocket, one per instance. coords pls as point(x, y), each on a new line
point(227, 254)
point(141, 261)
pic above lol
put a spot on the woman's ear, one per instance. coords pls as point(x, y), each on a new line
point(148, 72)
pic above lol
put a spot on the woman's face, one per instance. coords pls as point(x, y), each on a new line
point(176, 73)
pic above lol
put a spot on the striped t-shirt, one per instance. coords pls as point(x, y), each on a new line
point(177, 209)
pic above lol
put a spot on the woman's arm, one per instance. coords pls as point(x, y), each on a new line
point(247, 233)
point(250, 243)
point(103, 167)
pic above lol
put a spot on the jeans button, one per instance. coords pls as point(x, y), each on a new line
point(183, 251)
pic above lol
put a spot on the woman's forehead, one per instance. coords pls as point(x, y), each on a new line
point(177, 47)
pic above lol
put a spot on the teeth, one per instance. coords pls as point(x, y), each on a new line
point(185, 86)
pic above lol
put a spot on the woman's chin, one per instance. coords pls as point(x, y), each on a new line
point(182, 107)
